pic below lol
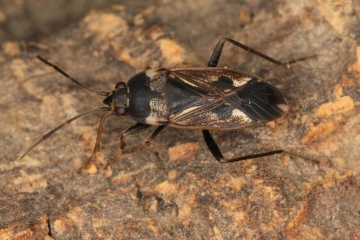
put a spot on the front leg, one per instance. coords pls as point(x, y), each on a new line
point(98, 140)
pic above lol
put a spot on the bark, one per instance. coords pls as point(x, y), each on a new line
point(175, 189)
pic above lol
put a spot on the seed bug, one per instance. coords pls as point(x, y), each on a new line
point(209, 98)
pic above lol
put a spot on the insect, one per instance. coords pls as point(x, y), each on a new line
point(209, 98)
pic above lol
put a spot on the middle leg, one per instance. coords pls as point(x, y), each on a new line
point(137, 128)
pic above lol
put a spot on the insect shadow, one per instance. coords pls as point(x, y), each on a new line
point(208, 98)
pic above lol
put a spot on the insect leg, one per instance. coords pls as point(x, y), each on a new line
point(215, 56)
point(133, 130)
point(98, 139)
point(215, 151)
point(148, 140)
point(212, 146)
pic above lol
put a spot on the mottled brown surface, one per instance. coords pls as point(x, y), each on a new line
point(159, 193)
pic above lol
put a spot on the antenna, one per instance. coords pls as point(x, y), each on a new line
point(101, 93)
point(100, 109)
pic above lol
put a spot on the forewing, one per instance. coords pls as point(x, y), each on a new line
point(196, 98)
point(213, 81)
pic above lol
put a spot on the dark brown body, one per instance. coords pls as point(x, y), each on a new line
point(199, 98)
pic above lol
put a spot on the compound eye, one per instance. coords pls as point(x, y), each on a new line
point(120, 111)
point(120, 85)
